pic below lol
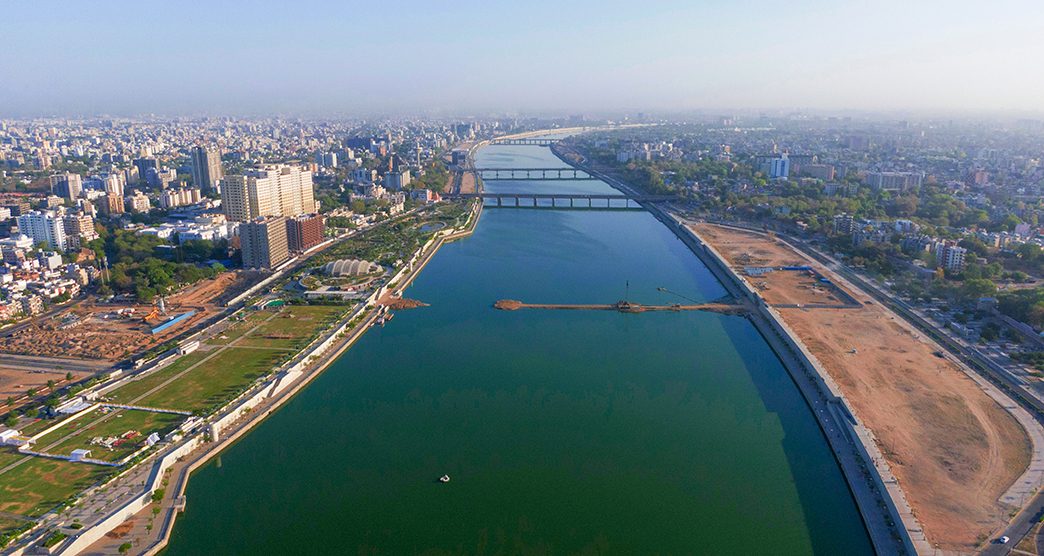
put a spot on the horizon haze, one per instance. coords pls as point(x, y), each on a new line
point(355, 58)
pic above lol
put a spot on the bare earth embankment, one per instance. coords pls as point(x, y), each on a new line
point(953, 448)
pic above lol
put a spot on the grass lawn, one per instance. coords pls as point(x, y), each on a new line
point(294, 326)
point(39, 425)
point(130, 391)
point(237, 329)
point(115, 423)
point(217, 379)
point(38, 485)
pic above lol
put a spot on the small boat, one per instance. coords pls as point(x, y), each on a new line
point(444, 479)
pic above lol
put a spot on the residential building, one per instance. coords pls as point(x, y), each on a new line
point(775, 167)
point(179, 197)
point(279, 190)
point(263, 242)
point(114, 183)
point(43, 227)
point(844, 223)
point(79, 225)
point(397, 180)
point(32, 304)
point(825, 172)
point(113, 204)
point(142, 165)
point(304, 232)
point(893, 181)
point(67, 186)
point(950, 257)
point(138, 202)
point(206, 168)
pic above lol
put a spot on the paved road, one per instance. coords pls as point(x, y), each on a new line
point(52, 364)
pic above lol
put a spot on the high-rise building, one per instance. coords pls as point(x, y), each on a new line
point(304, 232)
point(894, 181)
point(950, 257)
point(263, 242)
point(397, 180)
point(67, 186)
point(160, 179)
point(138, 202)
point(143, 165)
point(844, 223)
point(775, 167)
point(182, 196)
point(280, 190)
point(43, 227)
point(113, 204)
point(114, 184)
point(206, 168)
point(80, 225)
point(327, 160)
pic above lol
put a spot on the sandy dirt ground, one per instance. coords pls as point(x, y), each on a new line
point(953, 448)
point(92, 338)
point(14, 383)
point(100, 334)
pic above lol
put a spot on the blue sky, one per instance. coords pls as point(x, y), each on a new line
point(330, 57)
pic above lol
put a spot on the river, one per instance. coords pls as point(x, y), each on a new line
point(562, 431)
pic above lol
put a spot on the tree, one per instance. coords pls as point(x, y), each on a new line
point(977, 288)
point(68, 376)
point(125, 548)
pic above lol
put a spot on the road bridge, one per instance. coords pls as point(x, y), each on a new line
point(533, 174)
point(564, 200)
point(525, 141)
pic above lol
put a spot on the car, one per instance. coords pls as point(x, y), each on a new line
point(1003, 540)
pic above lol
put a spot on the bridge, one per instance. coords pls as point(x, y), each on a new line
point(558, 200)
point(525, 141)
point(533, 174)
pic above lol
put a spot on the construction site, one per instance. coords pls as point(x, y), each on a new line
point(114, 330)
point(89, 337)
point(954, 450)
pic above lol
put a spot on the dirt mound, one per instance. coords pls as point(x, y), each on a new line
point(401, 303)
point(508, 305)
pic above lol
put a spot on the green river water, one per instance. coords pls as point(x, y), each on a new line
point(564, 432)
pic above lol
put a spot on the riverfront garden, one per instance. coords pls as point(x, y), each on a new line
point(253, 343)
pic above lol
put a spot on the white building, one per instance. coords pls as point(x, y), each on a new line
point(43, 227)
point(279, 190)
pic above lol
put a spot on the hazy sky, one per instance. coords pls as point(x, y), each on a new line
point(346, 57)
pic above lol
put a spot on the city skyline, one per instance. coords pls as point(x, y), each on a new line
point(368, 59)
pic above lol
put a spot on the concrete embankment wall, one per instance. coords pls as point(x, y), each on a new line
point(883, 532)
point(91, 535)
point(288, 378)
point(877, 495)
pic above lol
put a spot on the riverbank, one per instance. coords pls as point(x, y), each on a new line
point(170, 473)
point(891, 526)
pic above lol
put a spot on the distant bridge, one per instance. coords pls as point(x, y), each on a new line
point(533, 174)
point(525, 141)
point(564, 200)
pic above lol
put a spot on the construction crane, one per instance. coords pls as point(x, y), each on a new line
point(665, 290)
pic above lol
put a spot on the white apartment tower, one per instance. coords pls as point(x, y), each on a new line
point(43, 227)
point(280, 190)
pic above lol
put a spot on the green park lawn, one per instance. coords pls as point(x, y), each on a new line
point(217, 379)
point(294, 326)
point(114, 423)
point(134, 389)
point(39, 484)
